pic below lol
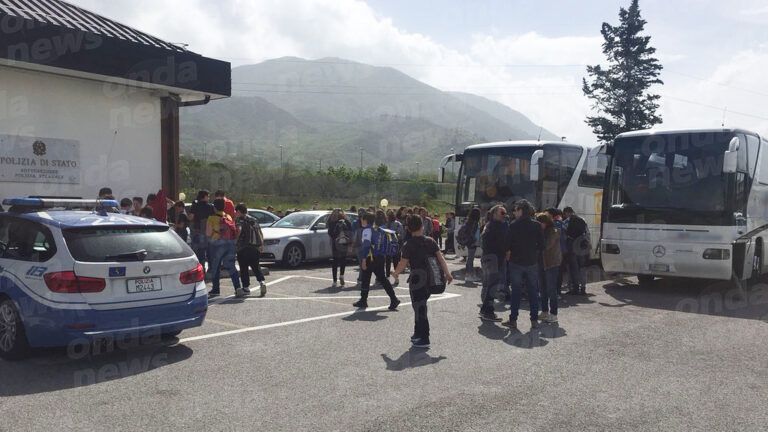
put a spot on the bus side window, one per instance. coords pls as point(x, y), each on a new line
point(753, 143)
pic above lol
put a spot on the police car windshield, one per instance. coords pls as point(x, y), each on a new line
point(109, 244)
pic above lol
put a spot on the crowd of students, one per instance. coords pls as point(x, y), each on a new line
point(521, 251)
point(530, 251)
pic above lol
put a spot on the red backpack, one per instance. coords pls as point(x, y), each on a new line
point(436, 226)
point(227, 229)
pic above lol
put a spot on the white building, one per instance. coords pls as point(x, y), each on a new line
point(87, 102)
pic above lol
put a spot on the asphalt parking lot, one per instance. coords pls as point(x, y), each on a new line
point(676, 356)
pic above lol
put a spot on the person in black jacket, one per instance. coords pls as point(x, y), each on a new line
point(339, 226)
point(577, 250)
point(525, 241)
point(494, 254)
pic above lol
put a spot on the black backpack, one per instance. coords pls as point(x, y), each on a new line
point(466, 235)
point(249, 233)
point(343, 234)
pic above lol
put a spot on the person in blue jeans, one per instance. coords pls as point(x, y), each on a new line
point(551, 257)
point(494, 252)
point(525, 241)
point(222, 237)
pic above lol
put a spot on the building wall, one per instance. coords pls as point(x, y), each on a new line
point(118, 129)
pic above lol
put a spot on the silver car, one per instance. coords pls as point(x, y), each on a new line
point(264, 217)
point(299, 237)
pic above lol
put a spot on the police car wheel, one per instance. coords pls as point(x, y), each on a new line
point(293, 255)
point(13, 339)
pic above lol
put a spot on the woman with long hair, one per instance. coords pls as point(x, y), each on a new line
point(340, 232)
point(473, 223)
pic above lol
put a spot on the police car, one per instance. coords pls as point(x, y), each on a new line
point(79, 276)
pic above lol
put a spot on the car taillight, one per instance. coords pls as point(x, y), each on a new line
point(193, 276)
point(68, 282)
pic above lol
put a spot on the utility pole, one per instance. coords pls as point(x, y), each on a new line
point(417, 170)
point(361, 159)
point(453, 159)
point(281, 160)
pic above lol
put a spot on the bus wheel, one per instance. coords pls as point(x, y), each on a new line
point(645, 280)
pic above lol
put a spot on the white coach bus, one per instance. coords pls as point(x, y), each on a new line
point(546, 173)
point(686, 203)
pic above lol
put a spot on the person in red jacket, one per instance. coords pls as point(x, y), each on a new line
point(229, 206)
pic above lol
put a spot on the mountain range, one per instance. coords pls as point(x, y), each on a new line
point(332, 112)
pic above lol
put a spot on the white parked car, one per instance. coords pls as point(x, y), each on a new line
point(299, 237)
point(264, 217)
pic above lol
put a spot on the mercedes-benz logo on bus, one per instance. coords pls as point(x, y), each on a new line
point(659, 251)
point(147, 269)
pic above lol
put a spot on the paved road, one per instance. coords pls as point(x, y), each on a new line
point(677, 356)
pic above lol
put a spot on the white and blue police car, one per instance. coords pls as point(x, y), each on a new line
point(81, 276)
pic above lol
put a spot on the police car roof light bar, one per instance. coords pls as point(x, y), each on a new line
point(50, 203)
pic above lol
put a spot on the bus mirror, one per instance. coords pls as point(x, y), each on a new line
point(730, 159)
point(537, 155)
point(443, 164)
point(592, 156)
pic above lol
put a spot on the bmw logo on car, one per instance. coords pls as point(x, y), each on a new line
point(147, 269)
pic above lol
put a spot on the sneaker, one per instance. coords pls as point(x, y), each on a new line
point(239, 292)
point(333, 285)
point(341, 280)
point(489, 317)
point(263, 288)
point(213, 294)
point(534, 324)
point(511, 324)
point(246, 291)
point(393, 305)
point(421, 343)
point(550, 319)
point(360, 304)
point(414, 338)
point(583, 291)
point(543, 316)
point(396, 282)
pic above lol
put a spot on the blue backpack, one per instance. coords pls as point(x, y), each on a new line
point(384, 242)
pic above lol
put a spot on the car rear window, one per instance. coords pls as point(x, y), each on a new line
point(124, 244)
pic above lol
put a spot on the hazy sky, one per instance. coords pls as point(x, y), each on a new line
point(526, 54)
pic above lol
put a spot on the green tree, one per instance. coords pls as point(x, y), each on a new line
point(620, 93)
point(382, 173)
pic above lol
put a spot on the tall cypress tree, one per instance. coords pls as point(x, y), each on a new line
point(620, 93)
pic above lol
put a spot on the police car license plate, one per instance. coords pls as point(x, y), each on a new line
point(144, 285)
point(659, 267)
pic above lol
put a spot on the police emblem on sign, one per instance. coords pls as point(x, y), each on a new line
point(38, 147)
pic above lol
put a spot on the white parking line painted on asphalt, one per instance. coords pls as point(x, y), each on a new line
point(325, 297)
point(331, 280)
point(223, 299)
point(304, 320)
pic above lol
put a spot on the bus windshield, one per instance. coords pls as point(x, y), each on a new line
point(671, 179)
point(493, 175)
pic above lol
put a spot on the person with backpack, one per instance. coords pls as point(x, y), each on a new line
point(375, 244)
point(450, 220)
point(250, 244)
point(222, 234)
point(429, 226)
point(415, 254)
point(468, 237)
point(551, 257)
point(340, 231)
point(395, 226)
point(199, 213)
point(578, 248)
point(494, 256)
